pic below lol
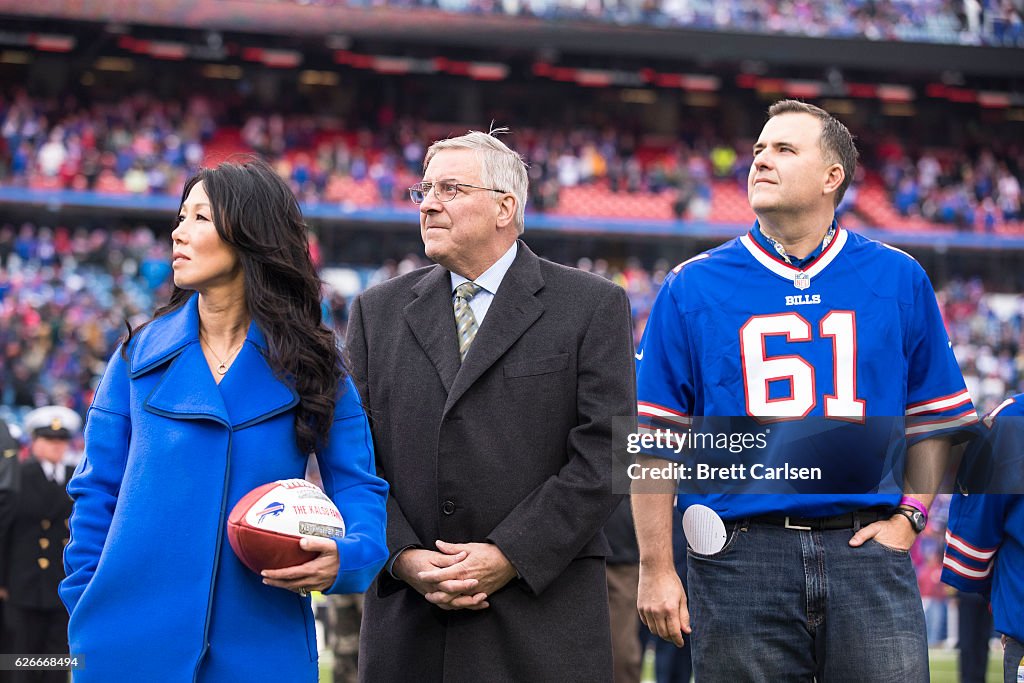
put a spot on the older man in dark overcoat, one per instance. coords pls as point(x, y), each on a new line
point(491, 381)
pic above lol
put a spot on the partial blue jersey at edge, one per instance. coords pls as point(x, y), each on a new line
point(856, 334)
point(985, 536)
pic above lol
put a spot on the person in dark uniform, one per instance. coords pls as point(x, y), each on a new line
point(33, 534)
point(8, 488)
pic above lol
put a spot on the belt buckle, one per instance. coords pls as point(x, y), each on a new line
point(798, 527)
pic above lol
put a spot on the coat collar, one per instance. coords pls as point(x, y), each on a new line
point(249, 392)
point(513, 311)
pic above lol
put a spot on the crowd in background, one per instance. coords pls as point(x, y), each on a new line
point(970, 22)
point(146, 143)
point(64, 299)
point(951, 186)
point(142, 144)
point(149, 144)
point(65, 296)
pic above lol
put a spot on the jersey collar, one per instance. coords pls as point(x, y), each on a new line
point(784, 270)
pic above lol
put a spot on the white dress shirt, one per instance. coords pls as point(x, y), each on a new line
point(54, 472)
point(489, 282)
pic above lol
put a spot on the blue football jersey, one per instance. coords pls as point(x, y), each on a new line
point(985, 536)
point(856, 333)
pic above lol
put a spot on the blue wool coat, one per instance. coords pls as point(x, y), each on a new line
point(154, 591)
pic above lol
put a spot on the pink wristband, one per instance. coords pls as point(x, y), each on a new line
point(914, 503)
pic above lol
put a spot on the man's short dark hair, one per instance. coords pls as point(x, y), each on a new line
point(836, 140)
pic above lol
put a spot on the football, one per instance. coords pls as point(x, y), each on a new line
point(265, 526)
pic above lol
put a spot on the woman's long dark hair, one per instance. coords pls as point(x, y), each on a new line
point(256, 213)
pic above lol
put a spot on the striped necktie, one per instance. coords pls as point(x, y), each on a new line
point(465, 321)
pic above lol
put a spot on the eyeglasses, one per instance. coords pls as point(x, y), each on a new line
point(444, 190)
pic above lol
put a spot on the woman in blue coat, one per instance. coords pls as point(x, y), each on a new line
point(230, 386)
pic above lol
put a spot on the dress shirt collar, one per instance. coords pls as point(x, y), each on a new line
point(491, 278)
point(53, 471)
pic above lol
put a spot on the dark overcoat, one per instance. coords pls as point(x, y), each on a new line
point(32, 545)
point(512, 447)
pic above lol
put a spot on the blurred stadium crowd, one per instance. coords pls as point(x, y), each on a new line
point(970, 22)
point(65, 297)
point(144, 144)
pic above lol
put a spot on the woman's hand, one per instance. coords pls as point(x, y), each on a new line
point(318, 574)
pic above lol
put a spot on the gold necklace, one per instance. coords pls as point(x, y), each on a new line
point(223, 367)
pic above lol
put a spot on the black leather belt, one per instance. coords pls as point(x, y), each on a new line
point(847, 520)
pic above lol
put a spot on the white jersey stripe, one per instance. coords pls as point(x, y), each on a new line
point(978, 554)
point(991, 417)
point(945, 423)
point(666, 419)
point(654, 410)
point(940, 404)
point(964, 571)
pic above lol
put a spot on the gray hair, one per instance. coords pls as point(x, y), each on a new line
point(500, 166)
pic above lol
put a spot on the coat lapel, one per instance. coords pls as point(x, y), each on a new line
point(431, 318)
point(512, 312)
point(249, 393)
point(187, 390)
point(250, 390)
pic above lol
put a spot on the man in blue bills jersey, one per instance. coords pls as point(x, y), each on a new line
point(985, 537)
point(800, 324)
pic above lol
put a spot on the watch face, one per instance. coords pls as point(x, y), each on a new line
point(918, 521)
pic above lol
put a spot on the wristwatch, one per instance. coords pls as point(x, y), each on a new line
point(916, 518)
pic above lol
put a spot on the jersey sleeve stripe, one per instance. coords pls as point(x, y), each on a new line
point(966, 572)
point(991, 417)
point(664, 421)
point(655, 410)
point(651, 424)
point(967, 418)
point(968, 550)
point(944, 403)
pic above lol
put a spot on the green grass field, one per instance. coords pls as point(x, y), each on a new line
point(942, 662)
point(943, 665)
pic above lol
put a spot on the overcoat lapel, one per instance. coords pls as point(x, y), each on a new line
point(431, 318)
point(512, 312)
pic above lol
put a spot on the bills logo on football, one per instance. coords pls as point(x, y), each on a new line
point(803, 299)
point(272, 510)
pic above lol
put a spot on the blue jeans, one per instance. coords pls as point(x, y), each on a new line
point(784, 605)
point(1013, 659)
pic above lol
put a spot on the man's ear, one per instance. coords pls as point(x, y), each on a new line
point(506, 211)
point(835, 175)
